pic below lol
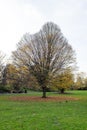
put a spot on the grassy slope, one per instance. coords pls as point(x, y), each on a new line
point(71, 115)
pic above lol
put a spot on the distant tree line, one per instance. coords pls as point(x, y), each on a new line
point(19, 80)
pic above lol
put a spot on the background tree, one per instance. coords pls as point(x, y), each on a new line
point(85, 84)
point(2, 57)
point(2, 65)
point(63, 81)
point(15, 79)
point(45, 54)
point(80, 80)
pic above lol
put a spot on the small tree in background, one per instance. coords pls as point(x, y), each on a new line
point(2, 58)
point(63, 81)
point(80, 80)
point(85, 84)
point(15, 78)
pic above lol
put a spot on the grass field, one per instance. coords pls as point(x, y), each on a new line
point(43, 115)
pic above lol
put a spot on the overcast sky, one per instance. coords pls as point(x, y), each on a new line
point(18, 17)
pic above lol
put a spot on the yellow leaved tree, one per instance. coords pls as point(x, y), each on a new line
point(64, 81)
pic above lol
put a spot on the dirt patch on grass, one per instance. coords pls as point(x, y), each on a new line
point(35, 98)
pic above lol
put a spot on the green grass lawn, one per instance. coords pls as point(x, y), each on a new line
point(52, 115)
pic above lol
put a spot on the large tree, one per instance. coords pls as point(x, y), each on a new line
point(46, 54)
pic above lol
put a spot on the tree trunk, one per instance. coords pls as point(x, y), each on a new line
point(62, 91)
point(44, 92)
